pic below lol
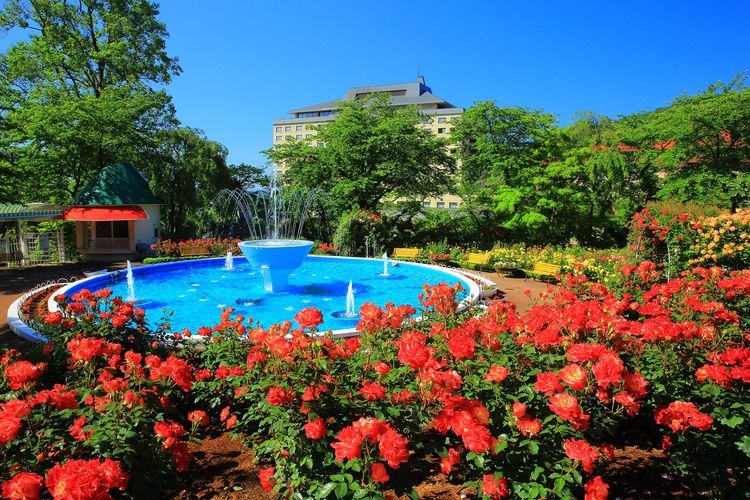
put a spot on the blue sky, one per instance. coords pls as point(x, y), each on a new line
point(248, 62)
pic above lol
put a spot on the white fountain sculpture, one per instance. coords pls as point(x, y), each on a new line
point(131, 284)
point(385, 264)
point(350, 312)
point(274, 220)
point(229, 262)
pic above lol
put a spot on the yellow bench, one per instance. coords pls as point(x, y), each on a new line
point(477, 260)
point(193, 250)
point(545, 269)
point(405, 253)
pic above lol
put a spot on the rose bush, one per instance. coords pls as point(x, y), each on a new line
point(499, 402)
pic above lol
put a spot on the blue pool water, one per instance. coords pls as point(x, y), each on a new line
point(197, 290)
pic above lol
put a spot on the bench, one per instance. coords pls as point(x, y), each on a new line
point(193, 250)
point(405, 253)
point(477, 260)
point(545, 269)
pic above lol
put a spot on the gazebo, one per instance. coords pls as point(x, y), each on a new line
point(28, 248)
point(116, 214)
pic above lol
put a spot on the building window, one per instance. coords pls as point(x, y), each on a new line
point(278, 138)
point(278, 129)
point(307, 136)
point(298, 127)
point(441, 120)
point(426, 204)
point(453, 204)
point(288, 138)
point(318, 143)
point(441, 130)
point(298, 136)
point(440, 204)
point(288, 128)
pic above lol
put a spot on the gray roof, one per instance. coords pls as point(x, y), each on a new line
point(417, 93)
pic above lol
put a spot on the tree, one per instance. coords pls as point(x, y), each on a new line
point(82, 91)
point(249, 177)
point(591, 192)
point(702, 145)
point(371, 152)
point(190, 172)
point(503, 152)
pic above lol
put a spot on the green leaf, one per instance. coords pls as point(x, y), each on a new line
point(326, 490)
point(341, 490)
point(744, 445)
point(732, 421)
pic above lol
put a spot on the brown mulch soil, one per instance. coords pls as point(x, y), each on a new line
point(223, 469)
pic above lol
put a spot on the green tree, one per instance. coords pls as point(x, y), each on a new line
point(370, 153)
point(249, 177)
point(190, 172)
point(503, 152)
point(701, 144)
point(591, 192)
point(82, 91)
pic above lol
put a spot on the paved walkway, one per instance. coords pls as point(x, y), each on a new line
point(14, 282)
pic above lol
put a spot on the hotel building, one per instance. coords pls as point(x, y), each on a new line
point(304, 123)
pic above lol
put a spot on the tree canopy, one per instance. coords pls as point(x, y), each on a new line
point(372, 152)
point(83, 90)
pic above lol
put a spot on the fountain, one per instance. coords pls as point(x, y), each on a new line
point(385, 264)
point(229, 262)
point(131, 284)
point(350, 312)
point(274, 221)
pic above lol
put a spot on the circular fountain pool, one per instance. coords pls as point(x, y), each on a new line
point(196, 291)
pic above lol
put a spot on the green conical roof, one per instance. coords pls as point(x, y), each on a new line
point(118, 184)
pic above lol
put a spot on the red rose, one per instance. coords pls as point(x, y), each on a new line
point(461, 346)
point(277, 396)
point(494, 488)
point(574, 376)
point(315, 429)
point(413, 352)
point(267, 481)
point(53, 318)
point(198, 417)
point(636, 384)
point(392, 446)
point(578, 449)
point(21, 373)
point(372, 391)
point(497, 373)
point(23, 486)
point(596, 489)
point(382, 368)
point(9, 427)
point(378, 473)
point(447, 463)
point(348, 444)
point(565, 406)
point(529, 426)
point(547, 383)
point(608, 370)
point(309, 317)
point(119, 321)
point(519, 409)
